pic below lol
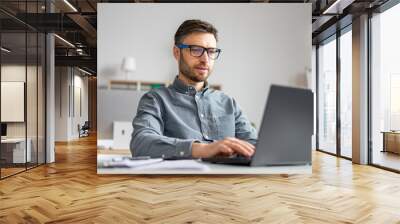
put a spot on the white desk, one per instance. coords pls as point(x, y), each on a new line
point(18, 153)
point(213, 169)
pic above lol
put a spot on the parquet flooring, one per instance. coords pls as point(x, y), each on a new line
point(70, 191)
point(10, 171)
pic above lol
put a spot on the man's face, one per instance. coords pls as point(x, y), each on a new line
point(196, 69)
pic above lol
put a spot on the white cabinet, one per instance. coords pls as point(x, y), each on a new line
point(17, 147)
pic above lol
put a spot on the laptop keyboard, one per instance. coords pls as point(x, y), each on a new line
point(234, 159)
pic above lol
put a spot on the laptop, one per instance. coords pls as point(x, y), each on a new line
point(285, 133)
point(122, 133)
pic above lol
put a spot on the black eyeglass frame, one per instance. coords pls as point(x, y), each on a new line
point(217, 50)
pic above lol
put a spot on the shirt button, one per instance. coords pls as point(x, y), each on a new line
point(201, 115)
point(162, 155)
point(182, 153)
point(205, 136)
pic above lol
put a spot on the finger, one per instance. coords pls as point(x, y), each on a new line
point(243, 142)
point(247, 143)
point(238, 148)
point(248, 148)
point(225, 150)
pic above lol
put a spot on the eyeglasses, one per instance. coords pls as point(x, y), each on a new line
point(198, 51)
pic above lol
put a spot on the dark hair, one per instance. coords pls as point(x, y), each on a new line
point(194, 26)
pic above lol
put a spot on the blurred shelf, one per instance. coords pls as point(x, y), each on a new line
point(135, 85)
point(143, 85)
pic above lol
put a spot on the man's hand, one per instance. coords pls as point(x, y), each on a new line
point(226, 147)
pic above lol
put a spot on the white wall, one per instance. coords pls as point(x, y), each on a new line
point(262, 44)
point(80, 83)
point(34, 124)
point(12, 73)
point(66, 121)
point(61, 103)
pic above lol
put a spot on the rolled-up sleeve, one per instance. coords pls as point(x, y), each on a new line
point(243, 128)
point(148, 136)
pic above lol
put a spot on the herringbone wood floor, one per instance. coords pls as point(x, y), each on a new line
point(70, 191)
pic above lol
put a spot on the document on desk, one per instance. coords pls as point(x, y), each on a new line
point(187, 164)
point(120, 163)
point(111, 161)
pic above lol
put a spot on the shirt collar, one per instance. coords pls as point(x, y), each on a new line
point(187, 89)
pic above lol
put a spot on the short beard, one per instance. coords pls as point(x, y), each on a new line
point(189, 73)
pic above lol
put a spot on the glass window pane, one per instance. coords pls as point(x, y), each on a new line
point(32, 87)
point(327, 97)
point(386, 89)
point(31, 101)
point(41, 98)
point(14, 151)
point(23, 89)
point(346, 94)
point(314, 88)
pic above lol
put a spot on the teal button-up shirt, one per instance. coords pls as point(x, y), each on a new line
point(170, 119)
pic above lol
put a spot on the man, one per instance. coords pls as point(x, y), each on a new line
point(188, 119)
